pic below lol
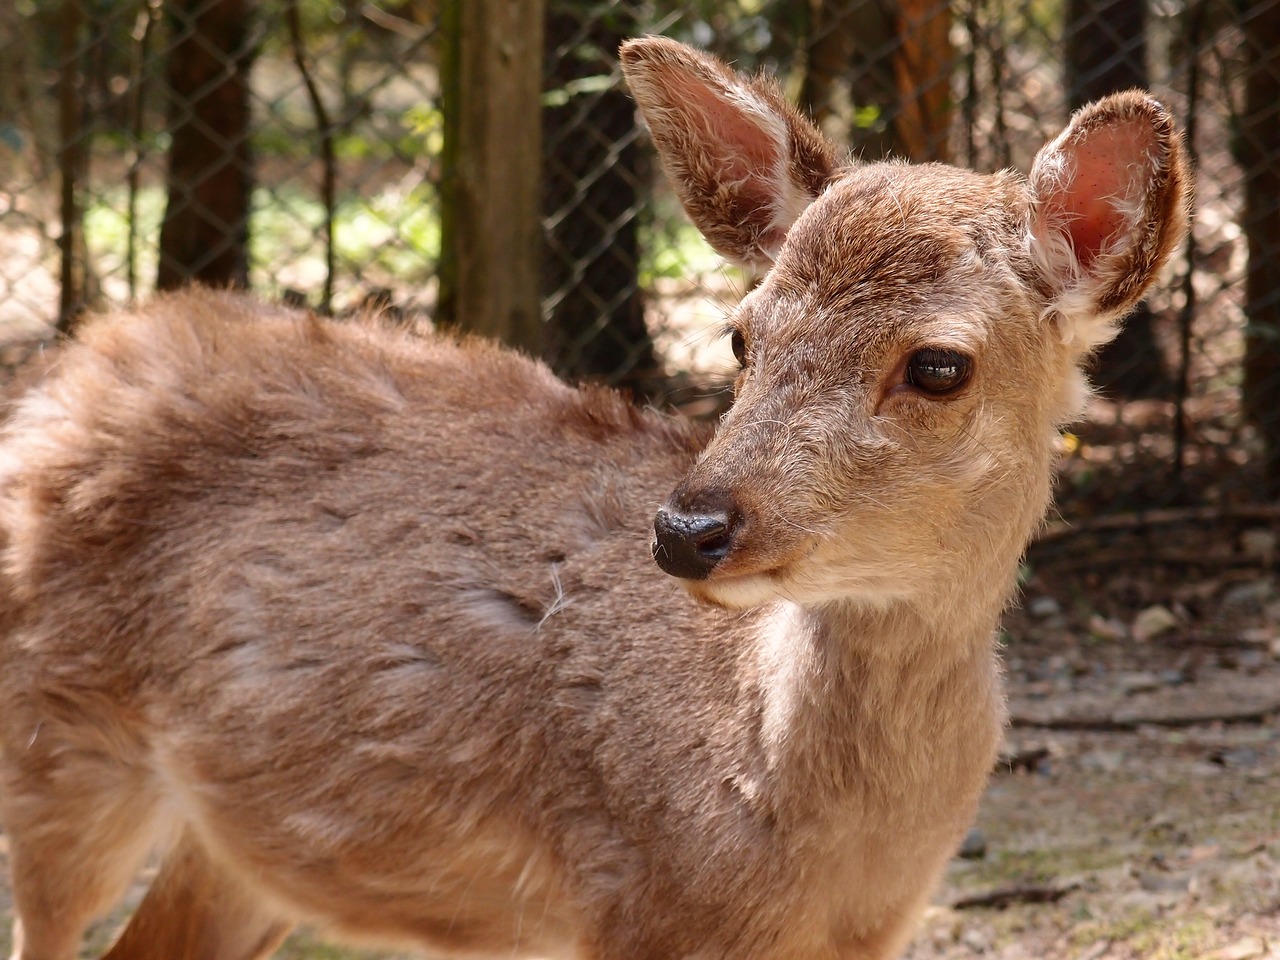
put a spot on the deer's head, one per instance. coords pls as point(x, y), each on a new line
point(914, 344)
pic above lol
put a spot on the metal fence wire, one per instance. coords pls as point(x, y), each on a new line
point(294, 147)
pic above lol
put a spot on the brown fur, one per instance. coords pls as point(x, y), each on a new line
point(361, 627)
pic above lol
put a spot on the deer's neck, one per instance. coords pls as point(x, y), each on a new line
point(876, 701)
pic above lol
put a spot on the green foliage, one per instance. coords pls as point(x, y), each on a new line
point(425, 123)
point(576, 88)
point(673, 249)
point(389, 237)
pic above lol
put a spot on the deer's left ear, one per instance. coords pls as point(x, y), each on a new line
point(1109, 200)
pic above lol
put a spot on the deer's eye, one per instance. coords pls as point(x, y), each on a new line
point(938, 372)
point(739, 344)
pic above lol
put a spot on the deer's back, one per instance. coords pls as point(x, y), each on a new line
point(315, 557)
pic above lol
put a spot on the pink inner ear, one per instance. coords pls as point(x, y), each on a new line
point(745, 152)
point(1107, 160)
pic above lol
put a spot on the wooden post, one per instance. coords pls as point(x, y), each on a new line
point(491, 74)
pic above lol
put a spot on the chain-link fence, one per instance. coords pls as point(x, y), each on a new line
point(294, 146)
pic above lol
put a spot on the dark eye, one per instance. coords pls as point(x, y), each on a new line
point(938, 372)
point(739, 344)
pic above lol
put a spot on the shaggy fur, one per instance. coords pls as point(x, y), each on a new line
point(360, 628)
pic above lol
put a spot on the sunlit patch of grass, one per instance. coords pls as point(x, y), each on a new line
point(1151, 934)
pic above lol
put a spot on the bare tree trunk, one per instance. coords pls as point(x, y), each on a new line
point(1259, 140)
point(830, 51)
point(856, 39)
point(590, 203)
point(922, 67)
point(1106, 48)
point(205, 232)
point(328, 159)
point(139, 83)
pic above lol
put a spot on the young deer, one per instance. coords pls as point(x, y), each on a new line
point(361, 629)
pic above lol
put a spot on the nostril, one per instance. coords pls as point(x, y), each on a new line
point(714, 538)
point(690, 545)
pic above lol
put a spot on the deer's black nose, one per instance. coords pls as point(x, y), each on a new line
point(689, 545)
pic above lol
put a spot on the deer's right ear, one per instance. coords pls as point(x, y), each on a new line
point(743, 161)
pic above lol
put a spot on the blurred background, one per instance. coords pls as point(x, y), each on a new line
point(341, 154)
point(478, 164)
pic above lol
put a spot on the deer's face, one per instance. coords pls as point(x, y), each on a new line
point(916, 341)
point(895, 401)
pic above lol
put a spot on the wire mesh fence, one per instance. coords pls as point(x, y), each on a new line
point(294, 147)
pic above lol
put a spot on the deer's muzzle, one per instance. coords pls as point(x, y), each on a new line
point(689, 544)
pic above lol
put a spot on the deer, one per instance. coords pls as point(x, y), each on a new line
point(401, 637)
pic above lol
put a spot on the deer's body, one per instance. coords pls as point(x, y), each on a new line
point(361, 629)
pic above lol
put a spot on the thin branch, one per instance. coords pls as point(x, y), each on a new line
point(389, 21)
point(1133, 557)
point(1007, 896)
point(1130, 724)
point(138, 85)
point(1171, 516)
point(328, 160)
point(995, 25)
point(1021, 760)
point(1195, 19)
point(969, 107)
point(70, 155)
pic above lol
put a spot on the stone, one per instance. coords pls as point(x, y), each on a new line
point(974, 846)
point(1107, 628)
point(1249, 597)
point(1152, 622)
point(1259, 542)
point(1044, 607)
point(1138, 682)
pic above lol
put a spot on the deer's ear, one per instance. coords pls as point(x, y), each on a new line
point(1109, 206)
point(743, 161)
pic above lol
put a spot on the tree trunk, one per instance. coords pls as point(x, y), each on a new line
point(897, 58)
point(205, 232)
point(922, 67)
point(1106, 51)
point(591, 202)
point(1259, 145)
point(491, 86)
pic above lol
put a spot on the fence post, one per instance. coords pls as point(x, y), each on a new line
point(491, 96)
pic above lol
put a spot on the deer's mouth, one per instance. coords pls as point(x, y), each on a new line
point(740, 591)
point(724, 552)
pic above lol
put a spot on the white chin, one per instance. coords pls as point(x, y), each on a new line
point(736, 593)
point(753, 590)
